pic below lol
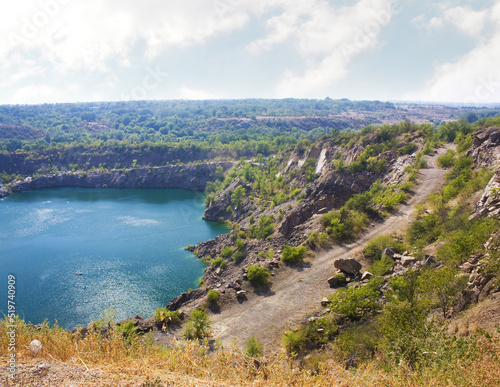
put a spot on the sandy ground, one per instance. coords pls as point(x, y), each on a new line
point(295, 292)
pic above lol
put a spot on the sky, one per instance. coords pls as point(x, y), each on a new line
point(116, 50)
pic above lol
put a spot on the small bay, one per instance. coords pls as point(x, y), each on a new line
point(128, 245)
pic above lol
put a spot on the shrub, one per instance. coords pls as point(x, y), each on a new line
point(380, 267)
point(354, 303)
point(219, 262)
point(375, 247)
point(227, 252)
point(239, 256)
point(291, 255)
point(166, 316)
point(447, 160)
point(258, 276)
point(263, 229)
point(254, 347)
point(199, 325)
point(408, 149)
point(213, 296)
point(240, 244)
point(128, 330)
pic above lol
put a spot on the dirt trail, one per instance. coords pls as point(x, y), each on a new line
point(295, 292)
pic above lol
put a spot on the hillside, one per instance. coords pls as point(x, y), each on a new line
point(368, 257)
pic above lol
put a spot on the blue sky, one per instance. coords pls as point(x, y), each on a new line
point(94, 50)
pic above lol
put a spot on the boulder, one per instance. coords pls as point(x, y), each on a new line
point(390, 251)
point(325, 301)
point(407, 260)
point(336, 281)
point(350, 266)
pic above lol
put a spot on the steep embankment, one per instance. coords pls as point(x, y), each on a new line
point(295, 292)
point(192, 177)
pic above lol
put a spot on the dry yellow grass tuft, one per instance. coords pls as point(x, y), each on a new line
point(106, 358)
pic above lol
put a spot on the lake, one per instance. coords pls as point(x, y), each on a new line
point(127, 244)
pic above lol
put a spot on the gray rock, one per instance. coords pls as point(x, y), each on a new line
point(335, 281)
point(350, 266)
point(407, 260)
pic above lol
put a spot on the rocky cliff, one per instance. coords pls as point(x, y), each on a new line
point(192, 177)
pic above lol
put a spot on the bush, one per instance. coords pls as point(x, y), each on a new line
point(128, 330)
point(239, 256)
point(408, 149)
point(213, 296)
point(227, 252)
point(354, 303)
point(375, 247)
point(380, 267)
point(254, 347)
point(258, 276)
point(447, 160)
point(291, 255)
point(166, 316)
point(199, 325)
point(219, 262)
point(263, 229)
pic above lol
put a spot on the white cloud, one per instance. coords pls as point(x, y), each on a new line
point(88, 35)
point(43, 93)
point(465, 19)
point(326, 38)
point(196, 94)
point(472, 79)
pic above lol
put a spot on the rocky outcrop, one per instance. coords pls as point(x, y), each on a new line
point(481, 281)
point(485, 151)
point(186, 297)
point(192, 177)
point(489, 204)
point(332, 190)
point(27, 163)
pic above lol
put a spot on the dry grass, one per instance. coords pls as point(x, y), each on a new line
point(108, 359)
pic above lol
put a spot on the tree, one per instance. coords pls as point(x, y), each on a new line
point(442, 286)
point(237, 196)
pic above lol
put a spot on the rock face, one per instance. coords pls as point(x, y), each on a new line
point(27, 163)
point(192, 177)
point(489, 204)
point(184, 298)
point(485, 150)
point(331, 191)
point(349, 266)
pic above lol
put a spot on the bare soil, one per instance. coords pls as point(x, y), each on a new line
point(298, 291)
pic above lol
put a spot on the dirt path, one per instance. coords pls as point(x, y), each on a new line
point(295, 292)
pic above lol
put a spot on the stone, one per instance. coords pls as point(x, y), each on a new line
point(430, 261)
point(389, 251)
point(467, 267)
point(350, 266)
point(366, 276)
point(325, 301)
point(241, 294)
point(35, 347)
point(336, 281)
point(407, 260)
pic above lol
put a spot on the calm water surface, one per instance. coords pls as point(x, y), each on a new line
point(128, 245)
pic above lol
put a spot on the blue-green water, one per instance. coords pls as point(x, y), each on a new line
point(128, 245)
